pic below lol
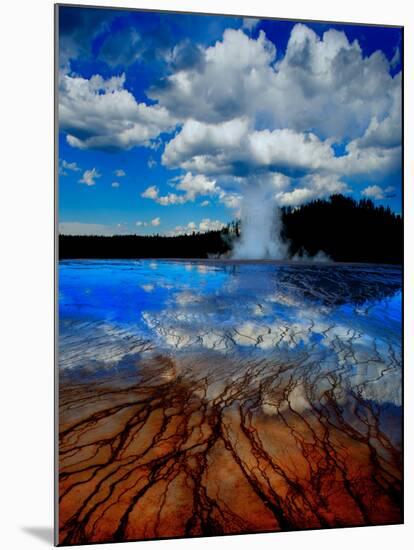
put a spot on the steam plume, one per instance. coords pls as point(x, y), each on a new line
point(261, 224)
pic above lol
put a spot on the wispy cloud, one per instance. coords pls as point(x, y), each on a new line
point(70, 166)
point(203, 227)
point(376, 192)
point(250, 23)
point(89, 177)
point(81, 228)
point(64, 165)
point(154, 223)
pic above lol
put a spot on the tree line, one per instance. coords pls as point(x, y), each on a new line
point(344, 229)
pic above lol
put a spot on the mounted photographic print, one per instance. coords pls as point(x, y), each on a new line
point(229, 275)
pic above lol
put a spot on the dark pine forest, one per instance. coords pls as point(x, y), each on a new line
point(344, 229)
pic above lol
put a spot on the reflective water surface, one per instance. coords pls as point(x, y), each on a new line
point(183, 384)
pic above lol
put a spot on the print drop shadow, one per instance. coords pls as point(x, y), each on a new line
point(45, 534)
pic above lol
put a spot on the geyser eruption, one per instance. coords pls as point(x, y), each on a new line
point(261, 223)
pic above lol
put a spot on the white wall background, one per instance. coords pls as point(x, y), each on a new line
point(26, 270)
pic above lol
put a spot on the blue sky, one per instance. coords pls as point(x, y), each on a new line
point(170, 123)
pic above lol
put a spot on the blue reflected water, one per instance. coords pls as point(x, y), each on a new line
point(325, 314)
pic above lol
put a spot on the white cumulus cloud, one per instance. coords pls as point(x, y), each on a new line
point(244, 114)
point(101, 114)
point(322, 83)
point(151, 192)
point(192, 187)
